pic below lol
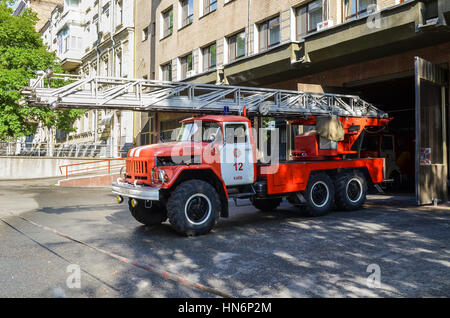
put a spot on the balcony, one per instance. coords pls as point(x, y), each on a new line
point(71, 59)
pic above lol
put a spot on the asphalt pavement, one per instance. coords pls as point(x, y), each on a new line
point(251, 254)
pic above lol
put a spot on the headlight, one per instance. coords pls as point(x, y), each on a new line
point(159, 176)
point(123, 174)
point(163, 177)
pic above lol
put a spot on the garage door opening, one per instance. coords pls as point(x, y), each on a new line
point(396, 142)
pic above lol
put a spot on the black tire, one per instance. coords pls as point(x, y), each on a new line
point(351, 190)
point(194, 207)
point(319, 195)
point(266, 205)
point(154, 215)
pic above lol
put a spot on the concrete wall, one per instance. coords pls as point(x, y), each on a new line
point(38, 167)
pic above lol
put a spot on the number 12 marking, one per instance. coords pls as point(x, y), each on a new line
point(238, 166)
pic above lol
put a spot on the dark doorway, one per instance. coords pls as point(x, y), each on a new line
point(396, 143)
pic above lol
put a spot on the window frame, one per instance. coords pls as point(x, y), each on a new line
point(187, 18)
point(206, 54)
point(267, 31)
point(169, 13)
point(167, 71)
point(358, 13)
point(297, 17)
point(235, 46)
point(182, 59)
point(207, 8)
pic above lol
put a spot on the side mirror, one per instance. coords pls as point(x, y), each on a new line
point(212, 138)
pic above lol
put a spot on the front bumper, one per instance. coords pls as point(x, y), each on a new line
point(135, 191)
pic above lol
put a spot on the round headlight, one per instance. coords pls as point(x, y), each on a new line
point(123, 174)
point(163, 176)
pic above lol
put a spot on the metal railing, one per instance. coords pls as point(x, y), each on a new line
point(29, 149)
point(92, 167)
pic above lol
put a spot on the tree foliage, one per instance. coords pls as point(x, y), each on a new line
point(22, 53)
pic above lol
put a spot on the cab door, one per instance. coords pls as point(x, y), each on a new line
point(236, 155)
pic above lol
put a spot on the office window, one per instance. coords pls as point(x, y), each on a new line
point(209, 57)
point(308, 16)
point(354, 9)
point(167, 22)
point(269, 33)
point(187, 12)
point(167, 72)
point(209, 6)
point(236, 46)
point(186, 65)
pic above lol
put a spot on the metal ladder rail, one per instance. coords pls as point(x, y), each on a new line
point(152, 95)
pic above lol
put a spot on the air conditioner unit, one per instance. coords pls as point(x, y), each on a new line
point(190, 73)
point(324, 24)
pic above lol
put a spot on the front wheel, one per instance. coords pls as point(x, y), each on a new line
point(145, 214)
point(194, 207)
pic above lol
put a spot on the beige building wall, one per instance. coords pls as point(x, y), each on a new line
point(229, 18)
point(44, 9)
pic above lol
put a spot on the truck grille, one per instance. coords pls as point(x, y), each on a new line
point(137, 169)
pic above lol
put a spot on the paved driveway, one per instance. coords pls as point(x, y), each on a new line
point(250, 254)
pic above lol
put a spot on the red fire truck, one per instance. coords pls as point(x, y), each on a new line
point(179, 181)
point(215, 157)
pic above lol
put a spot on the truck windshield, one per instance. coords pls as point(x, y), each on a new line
point(209, 131)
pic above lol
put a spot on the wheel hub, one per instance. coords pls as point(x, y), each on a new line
point(319, 194)
point(354, 190)
point(198, 209)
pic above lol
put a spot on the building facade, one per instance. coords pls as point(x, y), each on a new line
point(43, 9)
point(348, 44)
point(96, 38)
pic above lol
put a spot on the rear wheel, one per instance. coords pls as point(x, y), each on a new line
point(319, 195)
point(351, 190)
point(194, 207)
point(151, 214)
point(266, 205)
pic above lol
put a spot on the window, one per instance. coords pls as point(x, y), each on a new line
point(186, 65)
point(187, 12)
point(189, 131)
point(209, 6)
point(167, 22)
point(119, 5)
point(119, 69)
point(166, 72)
point(269, 33)
point(105, 67)
point(145, 34)
point(75, 43)
point(235, 133)
point(354, 9)
point(63, 41)
point(106, 11)
point(236, 46)
point(72, 3)
point(308, 16)
point(209, 57)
